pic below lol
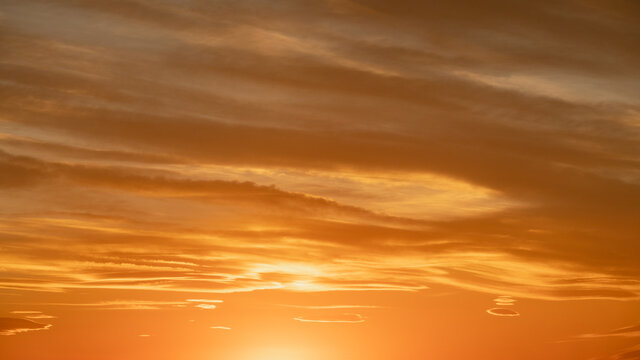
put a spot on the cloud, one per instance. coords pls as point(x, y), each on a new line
point(322, 307)
point(624, 332)
point(504, 298)
point(206, 306)
point(220, 327)
point(184, 150)
point(13, 326)
point(40, 316)
point(26, 312)
point(502, 312)
point(120, 305)
point(633, 331)
point(343, 318)
point(252, 163)
point(29, 314)
point(504, 301)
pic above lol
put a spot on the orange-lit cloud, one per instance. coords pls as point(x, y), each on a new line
point(26, 312)
point(114, 305)
point(502, 312)
point(13, 326)
point(323, 307)
point(159, 155)
point(627, 331)
point(504, 301)
point(40, 316)
point(206, 306)
point(343, 318)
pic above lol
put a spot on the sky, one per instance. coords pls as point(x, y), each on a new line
point(326, 179)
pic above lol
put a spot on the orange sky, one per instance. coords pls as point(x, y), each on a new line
point(312, 180)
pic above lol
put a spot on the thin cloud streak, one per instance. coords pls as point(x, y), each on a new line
point(322, 307)
point(13, 326)
point(220, 327)
point(347, 318)
point(502, 312)
point(624, 332)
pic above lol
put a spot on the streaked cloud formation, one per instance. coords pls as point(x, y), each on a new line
point(342, 318)
point(220, 327)
point(504, 300)
point(503, 312)
point(28, 314)
point(627, 331)
point(13, 326)
point(32, 312)
point(325, 307)
point(468, 160)
point(194, 149)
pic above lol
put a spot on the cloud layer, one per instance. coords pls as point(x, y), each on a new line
point(347, 318)
point(351, 145)
point(13, 326)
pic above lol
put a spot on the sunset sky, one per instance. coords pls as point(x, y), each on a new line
point(319, 180)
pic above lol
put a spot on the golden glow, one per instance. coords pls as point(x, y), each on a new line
point(330, 179)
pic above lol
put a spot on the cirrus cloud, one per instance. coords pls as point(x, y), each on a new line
point(13, 326)
point(503, 312)
point(349, 318)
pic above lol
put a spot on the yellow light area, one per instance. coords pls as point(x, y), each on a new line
point(305, 285)
point(417, 195)
point(288, 268)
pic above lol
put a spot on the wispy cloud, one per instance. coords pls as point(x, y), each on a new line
point(220, 327)
point(322, 307)
point(504, 301)
point(29, 314)
point(167, 149)
point(13, 326)
point(26, 312)
point(118, 305)
point(40, 316)
point(502, 312)
point(349, 318)
point(625, 332)
point(206, 306)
